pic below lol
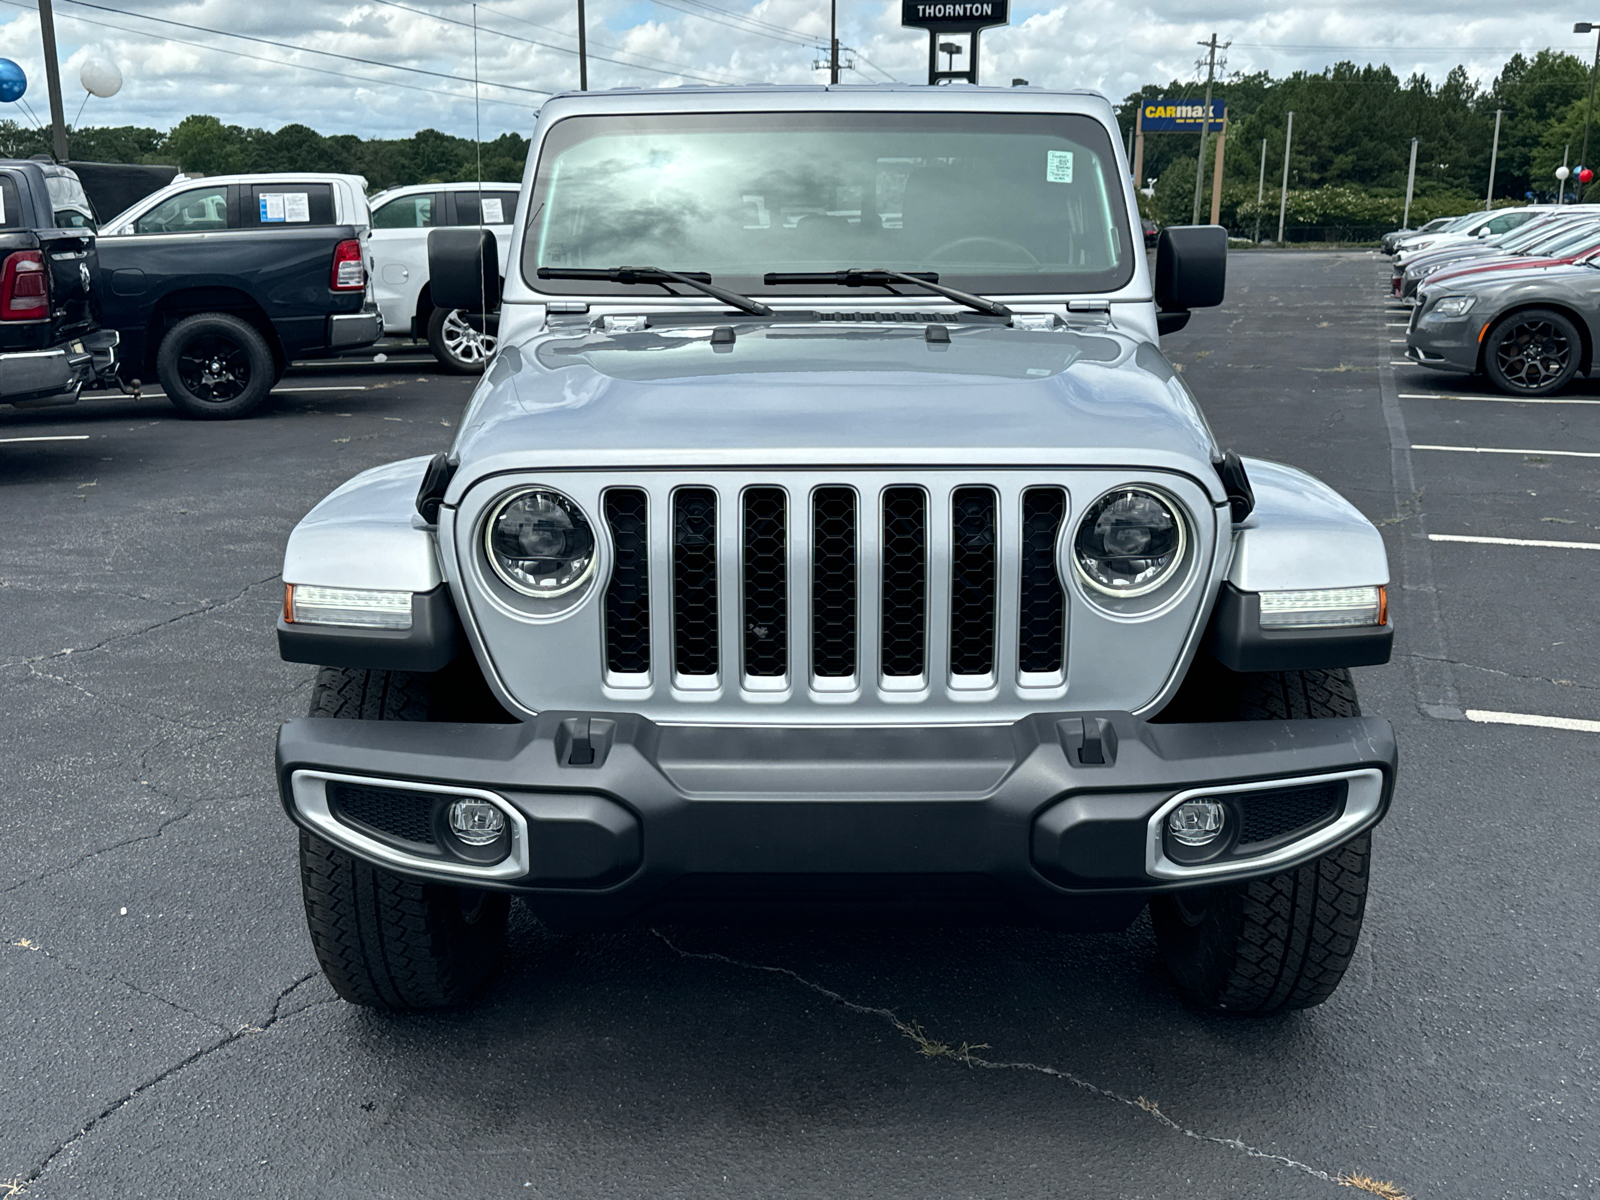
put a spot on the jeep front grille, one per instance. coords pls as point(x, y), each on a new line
point(959, 606)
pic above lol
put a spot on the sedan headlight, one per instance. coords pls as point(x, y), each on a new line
point(1453, 306)
point(1129, 543)
point(540, 543)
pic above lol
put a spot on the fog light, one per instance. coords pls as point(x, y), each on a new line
point(476, 822)
point(1197, 822)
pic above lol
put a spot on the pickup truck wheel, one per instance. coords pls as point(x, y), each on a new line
point(384, 940)
point(1284, 942)
point(215, 366)
point(464, 342)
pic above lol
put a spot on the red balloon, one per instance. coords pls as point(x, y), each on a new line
point(1585, 175)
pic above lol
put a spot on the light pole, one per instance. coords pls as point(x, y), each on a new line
point(1589, 27)
point(1494, 157)
point(949, 50)
point(1411, 183)
point(1261, 189)
point(1283, 196)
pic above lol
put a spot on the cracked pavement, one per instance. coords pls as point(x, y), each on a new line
point(165, 1032)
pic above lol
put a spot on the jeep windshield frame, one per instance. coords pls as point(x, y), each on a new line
point(995, 202)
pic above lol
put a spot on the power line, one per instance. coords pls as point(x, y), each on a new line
point(277, 62)
point(370, 62)
point(785, 36)
point(675, 69)
point(745, 17)
point(874, 66)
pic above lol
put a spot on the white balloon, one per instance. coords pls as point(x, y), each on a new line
point(1562, 172)
point(100, 77)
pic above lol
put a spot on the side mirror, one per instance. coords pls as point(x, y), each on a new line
point(464, 269)
point(1191, 272)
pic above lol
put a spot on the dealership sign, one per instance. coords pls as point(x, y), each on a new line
point(1180, 116)
point(954, 16)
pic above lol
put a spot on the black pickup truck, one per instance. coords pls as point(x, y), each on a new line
point(215, 298)
point(50, 341)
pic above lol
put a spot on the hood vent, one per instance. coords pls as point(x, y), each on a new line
point(890, 317)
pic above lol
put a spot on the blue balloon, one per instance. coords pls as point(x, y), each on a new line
point(13, 81)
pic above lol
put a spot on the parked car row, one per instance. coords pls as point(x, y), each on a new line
point(1513, 295)
point(215, 285)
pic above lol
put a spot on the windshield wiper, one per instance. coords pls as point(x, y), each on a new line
point(879, 277)
point(698, 280)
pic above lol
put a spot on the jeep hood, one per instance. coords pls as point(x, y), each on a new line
point(810, 395)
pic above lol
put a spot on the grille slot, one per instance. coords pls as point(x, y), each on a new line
point(1041, 636)
point(398, 815)
point(974, 575)
point(694, 580)
point(628, 594)
point(766, 582)
point(833, 582)
point(905, 582)
point(1278, 814)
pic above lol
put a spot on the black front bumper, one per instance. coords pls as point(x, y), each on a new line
point(619, 814)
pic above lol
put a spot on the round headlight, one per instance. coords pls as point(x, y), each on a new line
point(541, 544)
point(1129, 542)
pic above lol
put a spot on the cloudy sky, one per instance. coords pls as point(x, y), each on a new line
point(408, 63)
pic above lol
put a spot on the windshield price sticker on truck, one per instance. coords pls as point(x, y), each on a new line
point(493, 212)
point(1058, 166)
point(280, 207)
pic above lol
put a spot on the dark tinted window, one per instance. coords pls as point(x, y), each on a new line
point(193, 211)
point(407, 212)
point(289, 203)
point(496, 208)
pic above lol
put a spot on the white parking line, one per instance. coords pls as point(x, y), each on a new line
point(349, 387)
point(1507, 450)
point(66, 437)
point(1488, 717)
point(1398, 325)
point(1497, 541)
point(1496, 399)
point(1401, 362)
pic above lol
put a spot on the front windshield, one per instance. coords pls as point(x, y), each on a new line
point(1570, 241)
point(1002, 202)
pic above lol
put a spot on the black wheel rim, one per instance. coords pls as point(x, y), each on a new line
point(1533, 355)
point(214, 368)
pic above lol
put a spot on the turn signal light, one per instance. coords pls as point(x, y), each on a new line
point(304, 604)
point(1324, 608)
point(24, 287)
point(348, 273)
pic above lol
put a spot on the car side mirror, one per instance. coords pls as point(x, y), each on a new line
point(464, 269)
point(1191, 271)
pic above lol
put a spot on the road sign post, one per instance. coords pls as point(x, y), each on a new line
point(941, 17)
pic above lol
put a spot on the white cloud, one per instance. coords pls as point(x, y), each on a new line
point(1102, 44)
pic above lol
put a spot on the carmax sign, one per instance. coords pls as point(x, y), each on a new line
point(1180, 116)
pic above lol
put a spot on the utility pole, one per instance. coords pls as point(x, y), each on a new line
point(1283, 196)
point(833, 41)
point(583, 49)
point(1261, 189)
point(1205, 124)
point(1411, 183)
point(52, 75)
point(1588, 27)
point(1494, 154)
point(1561, 196)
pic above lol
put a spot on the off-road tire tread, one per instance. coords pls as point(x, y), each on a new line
point(383, 940)
point(1284, 942)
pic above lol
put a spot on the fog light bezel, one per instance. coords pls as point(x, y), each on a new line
point(308, 792)
point(1188, 854)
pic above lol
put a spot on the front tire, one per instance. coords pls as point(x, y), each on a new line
point(382, 939)
point(216, 367)
point(1268, 945)
point(463, 342)
point(1532, 353)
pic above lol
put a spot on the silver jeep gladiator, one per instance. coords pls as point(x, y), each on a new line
point(830, 538)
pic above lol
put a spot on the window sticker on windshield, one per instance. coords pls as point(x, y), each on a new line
point(1058, 166)
point(271, 207)
point(296, 206)
point(493, 213)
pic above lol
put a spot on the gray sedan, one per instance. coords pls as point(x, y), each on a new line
point(1529, 331)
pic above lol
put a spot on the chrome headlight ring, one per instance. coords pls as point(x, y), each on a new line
point(1131, 541)
point(540, 543)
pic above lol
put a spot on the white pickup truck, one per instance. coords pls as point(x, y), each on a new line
point(401, 221)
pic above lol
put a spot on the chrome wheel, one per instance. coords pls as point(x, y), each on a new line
point(466, 343)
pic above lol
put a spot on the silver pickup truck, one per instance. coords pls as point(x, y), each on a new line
point(830, 536)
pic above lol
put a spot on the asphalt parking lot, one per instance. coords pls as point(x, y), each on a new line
point(164, 1030)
